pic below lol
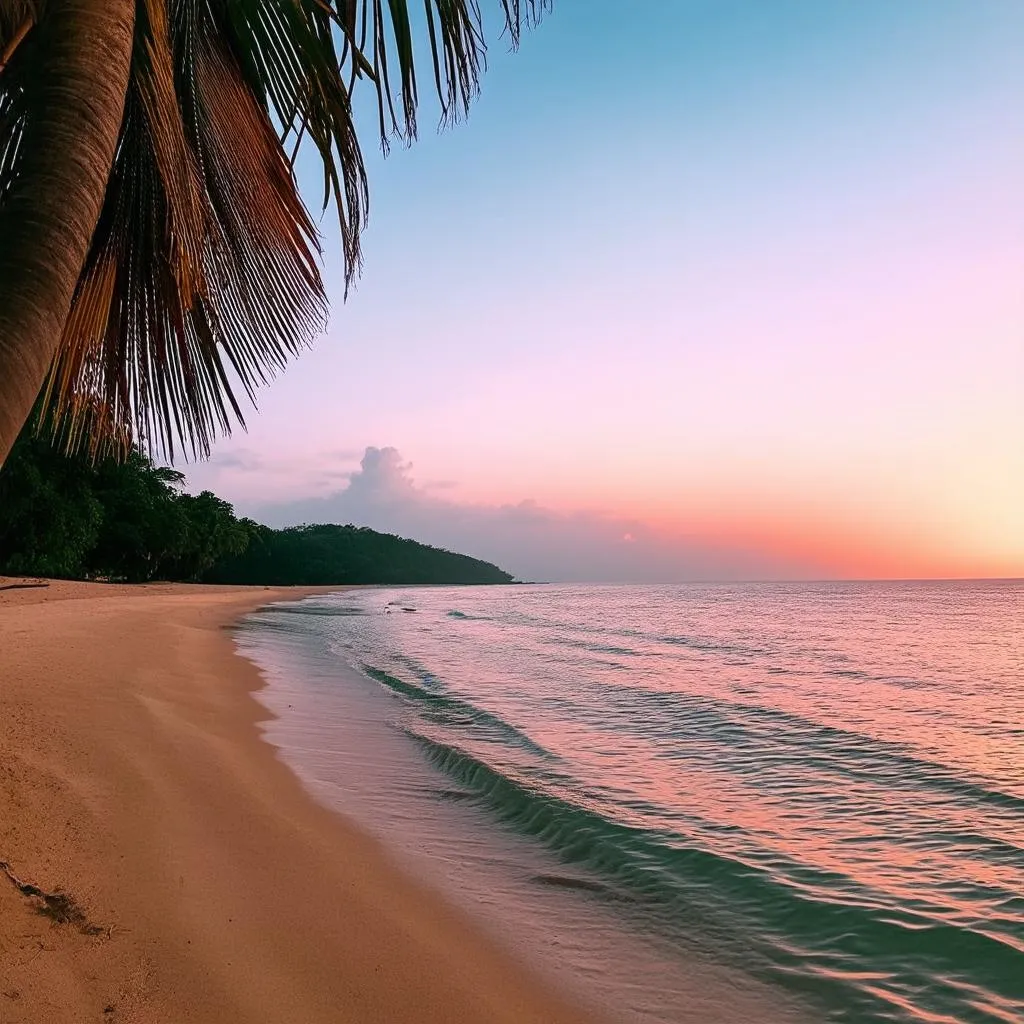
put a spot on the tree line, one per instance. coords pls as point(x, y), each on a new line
point(68, 516)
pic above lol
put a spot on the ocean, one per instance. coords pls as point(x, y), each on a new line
point(701, 802)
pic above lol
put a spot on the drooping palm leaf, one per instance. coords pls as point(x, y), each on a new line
point(204, 257)
point(204, 270)
point(16, 20)
point(16, 17)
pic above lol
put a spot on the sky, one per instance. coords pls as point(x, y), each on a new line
point(709, 289)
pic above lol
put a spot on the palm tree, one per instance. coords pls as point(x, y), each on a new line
point(155, 255)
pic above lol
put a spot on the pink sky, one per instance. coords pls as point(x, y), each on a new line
point(780, 307)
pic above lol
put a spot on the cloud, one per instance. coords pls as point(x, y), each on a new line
point(242, 459)
point(252, 478)
point(527, 539)
point(383, 480)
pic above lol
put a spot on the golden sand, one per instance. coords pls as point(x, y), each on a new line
point(202, 883)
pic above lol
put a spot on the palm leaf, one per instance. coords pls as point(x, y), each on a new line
point(16, 20)
point(16, 16)
point(203, 278)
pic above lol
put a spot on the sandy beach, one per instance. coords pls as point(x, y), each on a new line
point(205, 885)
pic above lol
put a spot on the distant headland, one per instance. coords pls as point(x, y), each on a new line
point(129, 520)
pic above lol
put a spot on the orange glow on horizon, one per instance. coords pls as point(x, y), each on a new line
point(837, 549)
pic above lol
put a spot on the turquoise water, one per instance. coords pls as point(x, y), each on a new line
point(819, 786)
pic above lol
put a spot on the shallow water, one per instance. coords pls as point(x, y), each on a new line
point(699, 802)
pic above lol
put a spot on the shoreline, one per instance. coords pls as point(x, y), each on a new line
point(212, 887)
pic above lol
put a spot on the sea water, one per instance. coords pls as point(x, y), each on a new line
point(715, 802)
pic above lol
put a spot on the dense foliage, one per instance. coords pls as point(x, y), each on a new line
point(66, 516)
point(347, 554)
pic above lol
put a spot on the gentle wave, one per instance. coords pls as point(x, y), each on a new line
point(820, 925)
point(830, 747)
point(456, 712)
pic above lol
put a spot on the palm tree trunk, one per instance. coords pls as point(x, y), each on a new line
point(47, 219)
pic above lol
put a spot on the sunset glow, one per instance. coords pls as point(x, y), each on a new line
point(767, 300)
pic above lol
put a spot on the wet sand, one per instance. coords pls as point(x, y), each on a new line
point(210, 886)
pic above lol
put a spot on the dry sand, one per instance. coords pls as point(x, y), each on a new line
point(213, 889)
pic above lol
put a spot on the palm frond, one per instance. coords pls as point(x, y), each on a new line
point(287, 54)
point(204, 270)
point(203, 267)
point(17, 18)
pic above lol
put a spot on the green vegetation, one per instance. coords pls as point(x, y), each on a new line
point(65, 516)
point(347, 554)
